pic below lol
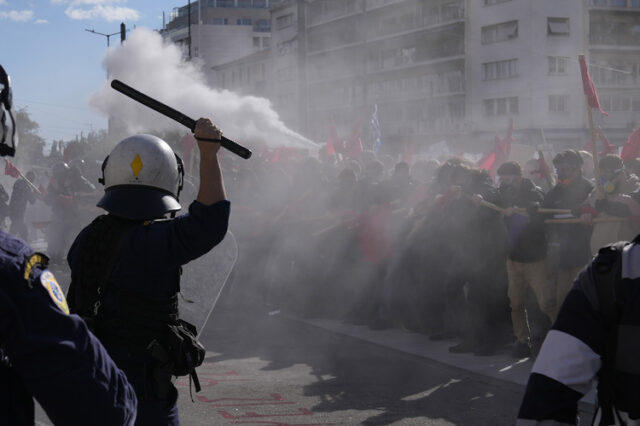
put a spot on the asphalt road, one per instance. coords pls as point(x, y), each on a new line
point(268, 370)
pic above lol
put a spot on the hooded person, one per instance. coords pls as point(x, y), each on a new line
point(125, 266)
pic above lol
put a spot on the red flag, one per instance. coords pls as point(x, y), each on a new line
point(11, 170)
point(609, 148)
point(276, 155)
point(332, 140)
point(631, 148)
point(589, 88)
point(488, 162)
point(500, 153)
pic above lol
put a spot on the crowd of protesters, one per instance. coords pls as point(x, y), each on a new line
point(437, 247)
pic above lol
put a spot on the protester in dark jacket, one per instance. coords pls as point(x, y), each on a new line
point(569, 244)
point(526, 265)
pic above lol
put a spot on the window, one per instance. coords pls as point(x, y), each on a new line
point(499, 32)
point(220, 21)
point(266, 41)
point(501, 106)
point(557, 26)
point(256, 42)
point(226, 3)
point(500, 69)
point(618, 3)
point(284, 21)
point(558, 103)
point(243, 21)
point(244, 3)
point(558, 65)
point(262, 26)
point(490, 2)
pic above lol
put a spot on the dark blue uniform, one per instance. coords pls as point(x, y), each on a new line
point(49, 354)
point(148, 266)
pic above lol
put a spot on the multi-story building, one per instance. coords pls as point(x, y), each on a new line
point(220, 31)
point(455, 70)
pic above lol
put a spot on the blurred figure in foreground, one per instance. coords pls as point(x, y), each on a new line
point(45, 353)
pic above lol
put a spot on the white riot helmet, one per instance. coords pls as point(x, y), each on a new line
point(142, 179)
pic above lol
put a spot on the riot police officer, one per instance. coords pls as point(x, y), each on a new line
point(46, 353)
point(126, 265)
point(594, 336)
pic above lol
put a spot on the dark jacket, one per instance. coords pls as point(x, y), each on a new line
point(51, 355)
point(572, 353)
point(569, 244)
point(526, 234)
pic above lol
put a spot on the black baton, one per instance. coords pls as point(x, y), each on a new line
point(163, 109)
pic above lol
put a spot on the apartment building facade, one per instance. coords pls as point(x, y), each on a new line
point(220, 31)
point(455, 70)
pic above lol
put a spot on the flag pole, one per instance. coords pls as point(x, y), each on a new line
point(26, 180)
point(590, 91)
point(594, 152)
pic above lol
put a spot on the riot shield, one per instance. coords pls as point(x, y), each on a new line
point(204, 279)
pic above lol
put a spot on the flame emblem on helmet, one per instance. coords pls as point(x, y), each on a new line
point(136, 165)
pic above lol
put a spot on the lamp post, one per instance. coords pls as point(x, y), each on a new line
point(106, 35)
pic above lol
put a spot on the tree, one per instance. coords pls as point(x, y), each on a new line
point(31, 145)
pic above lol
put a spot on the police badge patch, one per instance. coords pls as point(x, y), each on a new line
point(49, 282)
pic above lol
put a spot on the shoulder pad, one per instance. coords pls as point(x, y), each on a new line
point(35, 260)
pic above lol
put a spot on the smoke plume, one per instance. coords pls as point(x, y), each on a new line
point(156, 68)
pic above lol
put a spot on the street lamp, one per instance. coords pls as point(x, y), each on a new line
point(106, 35)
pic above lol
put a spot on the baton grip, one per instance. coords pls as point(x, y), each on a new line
point(176, 115)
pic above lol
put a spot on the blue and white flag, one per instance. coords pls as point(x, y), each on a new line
point(376, 135)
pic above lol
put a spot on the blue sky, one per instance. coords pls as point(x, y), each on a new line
point(55, 65)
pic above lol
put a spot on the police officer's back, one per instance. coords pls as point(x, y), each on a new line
point(141, 256)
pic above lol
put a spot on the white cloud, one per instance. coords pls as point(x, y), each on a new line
point(17, 15)
point(3, 2)
point(41, 21)
point(108, 13)
point(86, 2)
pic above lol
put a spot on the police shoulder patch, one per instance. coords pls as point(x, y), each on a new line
point(50, 283)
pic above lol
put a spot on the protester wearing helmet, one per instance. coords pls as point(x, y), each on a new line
point(126, 264)
point(45, 353)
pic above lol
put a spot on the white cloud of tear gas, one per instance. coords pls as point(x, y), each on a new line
point(17, 15)
point(156, 69)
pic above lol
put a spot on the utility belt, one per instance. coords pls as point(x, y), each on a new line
point(153, 328)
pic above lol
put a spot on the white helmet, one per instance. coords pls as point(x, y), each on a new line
point(142, 179)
